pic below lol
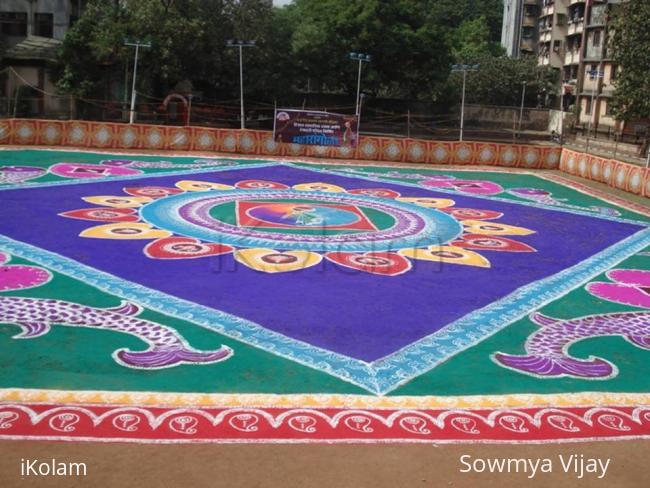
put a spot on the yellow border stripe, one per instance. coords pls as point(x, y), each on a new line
point(587, 399)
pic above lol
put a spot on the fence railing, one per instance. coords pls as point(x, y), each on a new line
point(482, 123)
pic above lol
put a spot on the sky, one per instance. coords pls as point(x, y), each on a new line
point(279, 3)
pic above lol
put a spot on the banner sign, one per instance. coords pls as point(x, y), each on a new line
point(315, 128)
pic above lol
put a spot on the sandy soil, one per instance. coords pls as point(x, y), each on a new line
point(315, 466)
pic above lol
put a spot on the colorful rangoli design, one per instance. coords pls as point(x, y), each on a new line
point(273, 228)
point(218, 300)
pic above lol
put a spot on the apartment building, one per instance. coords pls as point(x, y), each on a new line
point(519, 32)
point(573, 37)
point(598, 71)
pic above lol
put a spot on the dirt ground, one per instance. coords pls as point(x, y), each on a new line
point(315, 466)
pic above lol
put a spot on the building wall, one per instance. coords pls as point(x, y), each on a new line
point(596, 56)
point(553, 27)
point(519, 32)
point(509, 35)
point(573, 37)
point(61, 10)
point(33, 72)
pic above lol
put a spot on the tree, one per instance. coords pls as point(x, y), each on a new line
point(631, 50)
point(89, 46)
point(407, 51)
point(452, 13)
point(471, 41)
point(187, 38)
point(499, 82)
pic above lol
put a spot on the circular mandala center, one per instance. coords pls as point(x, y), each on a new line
point(301, 220)
point(303, 215)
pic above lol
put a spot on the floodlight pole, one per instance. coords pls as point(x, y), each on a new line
point(189, 109)
point(561, 127)
point(241, 86)
point(359, 86)
point(595, 75)
point(521, 110)
point(137, 45)
point(362, 58)
point(241, 45)
point(462, 106)
point(464, 68)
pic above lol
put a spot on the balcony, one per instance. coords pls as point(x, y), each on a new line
point(608, 90)
point(594, 53)
point(572, 57)
point(529, 21)
point(576, 27)
point(527, 45)
point(548, 10)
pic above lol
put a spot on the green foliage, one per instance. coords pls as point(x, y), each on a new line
point(412, 43)
point(94, 41)
point(471, 41)
point(631, 50)
point(452, 13)
point(499, 82)
point(407, 51)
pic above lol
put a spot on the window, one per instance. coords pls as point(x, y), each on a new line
point(608, 109)
point(44, 25)
point(588, 107)
point(597, 39)
point(13, 24)
point(613, 73)
point(557, 45)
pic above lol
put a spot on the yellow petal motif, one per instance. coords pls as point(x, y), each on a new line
point(190, 185)
point(447, 254)
point(326, 187)
point(118, 201)
point(494, 229)
point(125, 230)
point(429, 202)
point(270, 261)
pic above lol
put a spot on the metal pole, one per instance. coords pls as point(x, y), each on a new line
point(561, 127)
point(126, 87)
point(408, 124)
point(591, 116)
point(241, 84)
point(521, 110)
point(135, 74)
point(16, 96)
point(275, 116)
point(189, 110)
point(462, 107)
point(16, 87)
point(359, 86)
point(593, 109)
point(358, 121)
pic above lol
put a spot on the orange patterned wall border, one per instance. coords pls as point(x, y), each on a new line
point(623, 176)
point(104, 135)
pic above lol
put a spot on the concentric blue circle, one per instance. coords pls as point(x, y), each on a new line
point(188, 214)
